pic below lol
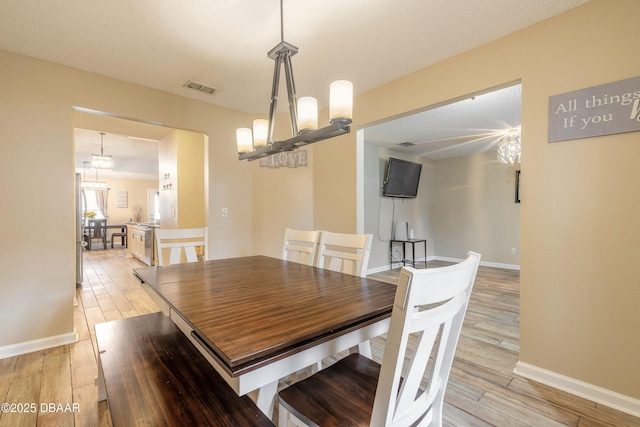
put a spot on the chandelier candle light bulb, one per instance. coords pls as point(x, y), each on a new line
point(244, 139)
point(307, 114)
point(260, 131)
point(341, 101)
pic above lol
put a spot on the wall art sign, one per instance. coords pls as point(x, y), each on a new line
point(599, 110)
point(288, 159)
point(122, 199)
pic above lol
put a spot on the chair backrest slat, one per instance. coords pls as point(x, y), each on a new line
point(430, 304)
point(179, 241)
point(346, 253)
point(300, 246)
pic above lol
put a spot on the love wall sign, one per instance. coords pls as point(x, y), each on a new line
point(596, 111)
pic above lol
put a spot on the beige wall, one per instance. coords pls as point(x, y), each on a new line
point(36, 157)
point(182, 172)
point(136, 195)
point(168, 175)
point(474, 209)
point(579, 229)
point(191, 185)
point(334, 184)
point(282, 198)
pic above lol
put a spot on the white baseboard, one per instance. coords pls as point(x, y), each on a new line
point(37, 345)
point(484, 263)
point(378, 269)
point(386, 267)
point(579, 388)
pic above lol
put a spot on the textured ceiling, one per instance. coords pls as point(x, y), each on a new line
point(223, 44)
point(163, 44)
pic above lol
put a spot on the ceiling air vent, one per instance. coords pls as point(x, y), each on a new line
point(406, 144)
point(199, 87)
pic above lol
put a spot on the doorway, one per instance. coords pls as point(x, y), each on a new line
point(153, 205)
point(134, 183)
point(466, 196)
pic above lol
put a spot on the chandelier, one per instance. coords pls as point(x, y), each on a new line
point(509, 150)
point(100, 161)
point(303, 112)
point(91, 185)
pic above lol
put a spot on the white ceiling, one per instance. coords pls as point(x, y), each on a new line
point(458, 129)
point(133, 146)
point(162, 44)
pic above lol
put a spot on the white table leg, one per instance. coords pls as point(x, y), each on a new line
point(364, 348)
point(266, 398)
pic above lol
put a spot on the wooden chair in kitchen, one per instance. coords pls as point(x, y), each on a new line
point(183, 244)
point(300, 246)
point(122, 234)
point(346, 253)
point(97, 231)
point(428, 311)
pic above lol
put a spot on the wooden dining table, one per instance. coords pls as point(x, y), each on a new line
point(258, 319)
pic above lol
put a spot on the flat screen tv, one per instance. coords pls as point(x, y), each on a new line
point(402, 178)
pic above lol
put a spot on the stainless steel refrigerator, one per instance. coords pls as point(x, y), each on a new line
point(79, 230)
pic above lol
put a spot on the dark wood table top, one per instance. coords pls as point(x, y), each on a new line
point(254, 310)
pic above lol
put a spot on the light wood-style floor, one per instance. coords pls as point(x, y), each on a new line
point(482, 391)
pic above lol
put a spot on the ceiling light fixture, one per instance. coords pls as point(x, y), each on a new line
point(94, 185)
point(303, 112)
point(100, 161)
point(91, 185)
point(509, 150)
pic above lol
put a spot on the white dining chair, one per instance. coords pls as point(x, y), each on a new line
point(346, 253)
point(300, 246)
point(428, 312)
point(182, 244)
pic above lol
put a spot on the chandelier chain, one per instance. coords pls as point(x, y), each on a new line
point(281, 22)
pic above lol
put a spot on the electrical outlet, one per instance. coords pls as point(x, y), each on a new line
point(513, 251)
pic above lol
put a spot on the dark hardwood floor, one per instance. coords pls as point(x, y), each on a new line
point(482, 390)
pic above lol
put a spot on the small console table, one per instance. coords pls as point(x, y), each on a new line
point(412, 242)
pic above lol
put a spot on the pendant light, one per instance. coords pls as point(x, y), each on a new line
point(303, 112)
point(509, 150)
point(101, 161)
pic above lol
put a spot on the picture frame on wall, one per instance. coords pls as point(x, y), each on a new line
point(123, 199)
point(518, 186)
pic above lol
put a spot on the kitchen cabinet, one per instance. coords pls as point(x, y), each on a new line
point(141, 242)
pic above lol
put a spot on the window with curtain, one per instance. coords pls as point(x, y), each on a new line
point(94, 201)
